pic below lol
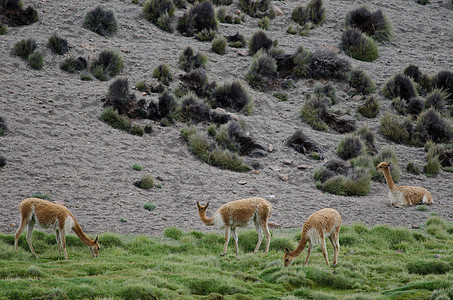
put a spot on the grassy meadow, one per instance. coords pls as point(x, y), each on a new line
point(380, 262)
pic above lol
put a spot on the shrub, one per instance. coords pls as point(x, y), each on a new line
point(368, 137)
point(350, 147)
point(437, 100)
point(197, 81)
point(57, 44)
point(263, 23)
point(359, 80)
point(302, 61)
point(393, 129)
point(200, 16)
point(233, 96)
point(14, 15)
point(149, 206)
point(3, 127)
point(302, 143)
point(425, 267)
point(111, 117)
point(432, 126)
point(257, 9)
point(281, 96)
point(432, 166)
point(422, 207)
point(325, 90)
point(262, 72)
point(443, 80)
point(71, 64)
point(194, 108)
point(164, 108)
point(375, 25)
point(359, 46)
point(2, 162)
point(108, 64)
point(258, 41)
point(164, 22)
point(316, 12)
point(412, 168)
point(101, 21)
point(369, 109)
point(325, 64)
point(356, 184)
point(36, 59)
point(146, 183)
point(24, 48)
point(219, 45)
point(189, 61)
point(120, 98)
point(163, 74)
point(206, 35)
point(423, 81)
point(313, 111)
point(300, 15)
point(154, 9)
point(399, 86)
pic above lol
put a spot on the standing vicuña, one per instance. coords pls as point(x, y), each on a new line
point(323, 223)
point(240, 213)
point(47, 214)
point(404, 194)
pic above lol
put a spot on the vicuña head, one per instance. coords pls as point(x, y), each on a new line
point(48, 214)
point(403, 195)
point(324, 223)
point(240, 213)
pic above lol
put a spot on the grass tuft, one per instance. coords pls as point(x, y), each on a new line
point(101, 21)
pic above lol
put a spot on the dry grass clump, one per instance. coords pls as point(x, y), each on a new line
point(423, 82)
point(370, 108)
point(313, 13)
point(189, 61)
point(257, 9)
point(313, 112)
point(443, 80)
point(198, 82)
point(350, 147)
point(163, 74)
point(437, 99)
point(262, 72)
point(412, 168)
point(258, 41)
point(219, 45)
point(124, 102)
point(72, 64)
point(57, 44)
point(233, 96)
point(193, 108)
point(263, 23)
point(200, 16)
point(165, 107)
point(399, 86)
point(3, 28)
point(236, 41)
point(14, 14)
point(359, 80)
point(302, 143)
point(36, 59)
point(325, 64)
point(101, 21)
point(108, 64)
point(206, 35)
point(374, 24)
point(231, 136)
point(25, 47)
point(432, 126)
point(146, 183)
point(413, 106)
point(358, 45)
point(325, 90)
point(159, 12)
point(110, 116)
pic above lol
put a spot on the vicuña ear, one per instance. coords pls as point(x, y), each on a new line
point(286, 251)
point(198, 204)
point(389, 163)
point(96, 239)
point(207, 204)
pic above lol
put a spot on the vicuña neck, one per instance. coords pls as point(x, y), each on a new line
point(206, 220)
point(82, 236)
point(388, 179)
point(300, 247)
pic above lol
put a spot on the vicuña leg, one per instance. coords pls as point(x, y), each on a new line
point(260, 237)
point(268, 236)
point(63, 242)
point(308, 254)
point(235, 237)
point(324, 250)
point(31, 224)
point(227, 239)
point(336, 247)
point(57, 234)
point(18, 232)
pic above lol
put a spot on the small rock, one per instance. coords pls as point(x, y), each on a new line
point(237, 12)
point(415, 226)
point(287, 162)
point(243, 53)
point(283, 177)
point(242, 182)
point(357, 97)
point(256, 172)
point(437, 255)
point(332, 48)
point(275, 168)
point(302, 167)
point(277, 11)
point(270, 148)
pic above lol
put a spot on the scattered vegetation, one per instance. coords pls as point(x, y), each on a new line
point(313, 13)
point(57, 44)
point(342, 180)
point(258, 41)
point(325, 90)
point(206, 35)
point(263, 23)
point(137, 167)
point(325, 64)
point(219, 45)
point(257, 9)
point(262, 72)
point(36, 59)
point(13, 14)
point(25, 47)
point(159, 12)
point(3, 29)
point(108, 64)
point(233, 96)
point(3, 127)
point(350, 147)
point(72, 64)
point(412, 168)
point(149, 206)
point(110, 116)
point(163, 74)
point(358, 45)
point(370, 108)
point(101, 21)
point(146, 183)
point(200, 16)
point(375, 25)
point(399, 86)
point(189, 61)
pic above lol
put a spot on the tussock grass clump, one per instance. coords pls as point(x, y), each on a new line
point(163, 74)
point(302, 143)
point(425, 267)
point(173, 233)
point(357, 183)
point(375, 25)
point(159, 12)
point(233, 96)
point(122, 100)
point(325, 64)
point(194, 109)
point(223, 17)
point(262, 72)
point(397, 131)
point(36, 59)
point(325, 90)
point(206, 35)
point(423, 81)
point(146, 183)
point(386, 154)
point(110, 116)
point(350, 147)
point(149, 206)
point(3, 127)
point(219, 45)
point(258, 41)
point(412, 168)
point(25, 47)
point(263, 23)
point(437, 99)
point(200, 16)
point(14, 15)
point(302, 61)
point(108, 64)
point(101, 21)
point(188, 60)
point(197, 81)
point(359, 80)
point(2, 162)
point(257, 9)
point(370, 108)
point(236, 41)
point(57, 44)
point(314, 13)
point(443, 80)
point(72, 64)
point(432, 126)
point(358, 45)
point(137, 167)
point(313, 112)
point(399, 86)
point(3, 29)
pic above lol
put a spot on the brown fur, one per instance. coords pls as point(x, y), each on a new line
point(403, 195)
point(48, 214)
point(240, 213)
point(321, 224)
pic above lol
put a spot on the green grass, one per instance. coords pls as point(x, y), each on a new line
point(381, 262)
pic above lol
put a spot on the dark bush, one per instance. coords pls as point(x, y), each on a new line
point(368, 137)
point(154, 9)
point(350, 147)
point(262, 72)
point(15, 15)
point(431, 126)
point(197, 81)
point(24, 48)
point(399, 132)
point(57, 44)
point(316, 12)
point(257, 8)
point(326, 64)
point(2, 162)
point(194, 109)
point(415, 106)
point(164, 22)
point(101, 21)
point(72, 64)
point(300, 62)
point(236, 41)
point(412, 168)
point(300, 15)
point(359, 46)
point(370, 108)
point(200, 16)
point(108, 64)
point(359, 80)
point(399, 86)
point(339, 123)
point(246, 144)
point(437, 100)
point(189, 61)
point(375, 25)
point(233, 96)
point(121, 99)
point(259, 41)
point(163, 108)
point(443, 80)
point(423, 81)
point(3, 28)
point(302, 143)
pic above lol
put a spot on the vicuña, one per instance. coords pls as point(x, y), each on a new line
point(404, 195)
point(240, 213)
point(321, 224)
point(47, 214)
